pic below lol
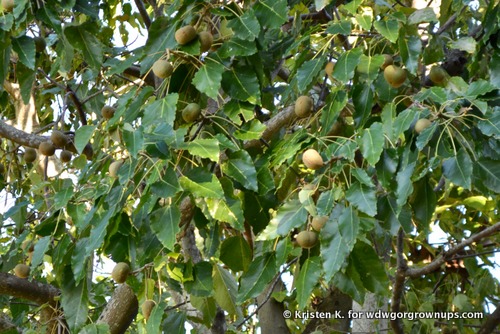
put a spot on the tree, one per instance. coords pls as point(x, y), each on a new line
point(183, 159)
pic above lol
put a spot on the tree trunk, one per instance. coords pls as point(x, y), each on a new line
point(334, 301)
point(271, 313)
point(362, 324)
point(121, 310)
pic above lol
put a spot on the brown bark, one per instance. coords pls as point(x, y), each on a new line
point(336, 300)
point(120, 310)
point(37, 292)
point(275, 124)
point(492, 322)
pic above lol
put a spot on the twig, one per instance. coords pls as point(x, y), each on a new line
point(269, 293)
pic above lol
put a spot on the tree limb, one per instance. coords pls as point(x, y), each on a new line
point(20, 137)
point(398, 287)
point(120, 310)
point(491, 322)
point(442, 258)
point(37, 292)
point(273, 126)
point(143, 12)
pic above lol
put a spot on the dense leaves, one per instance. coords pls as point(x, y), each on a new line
point(206, 212)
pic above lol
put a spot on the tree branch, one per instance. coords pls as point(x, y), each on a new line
point(20, 137)
point(273, 126)
point(398, 287)
point(37, 292)
point(120, 310)
point(143, 12)
point(442, 258)
point(491, 322)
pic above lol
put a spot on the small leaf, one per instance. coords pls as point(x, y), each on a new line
point(343, 27)
point(369, 66)
point(165, 224)
point(41, 247)
point(162, 110)
point(133, 138)
point(405, 186)
point(389, 29)
point(458, 169)
point(402, 123)
point(422, 15)
point(260, 272)
point(410, 48)
point(467, 44)
point(236, 253)
point(307, 280)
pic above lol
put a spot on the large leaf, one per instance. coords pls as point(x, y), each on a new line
point(389, 29)
point(372, 143)
point(307, 280)
point(402, 123)
point(347, 62)
point(458, 169)
point(405, 186)
point(41, 247)
point(271, 13)
point(162, 110)
point(165, 224)
point(154, 321)
point(246, 26)
point(363, 197)
point(241, 168)
point(236, 253)
point(82, 136)
point(208, 78)
point(348, 226)
point(225, 290)
point(291, 215)
point(423, 202)
point(369, 66)
point(308, 72)
point(489, 173)
point(410, 48)
point(202, 185)
point(202, 285)
point(260, 272)
point(161, 36)
point(370, 268)
point(25, 49)
point(74, 301)
point(133, 138)
point(241, 83)
point(81, 37)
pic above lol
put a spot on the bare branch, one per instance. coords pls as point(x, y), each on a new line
point(20, 137)
point(37, 292)
point(121, 310)
point(398, 287)
point(143, 12)
point(441, 259)
point(273, 126)
point(491, 322)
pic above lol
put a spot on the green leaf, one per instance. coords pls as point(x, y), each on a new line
point(364, 21)
point(307, 280)
point(62, 197)
point(237, 47)
point(236, 253)
point(81, 38)
point(405, 186)
point(202, 186)
point(168, 185)
point(271, 13)
point(410, 48)
point(154, 322)
point(489, 173)
point(165, 224)
point(402, 123)
point(226, 210)
point(343, 27)
point(308, 72)
point(251, 130)
point(241, 83)
point(208, 78)
point(162, 110)
point(350, 283)
point(423, 202)
point(204, 148)
point(494, 69)
point(290, 215)
point(362, 98)
point(246, 26)
point(372, 143)
point(241, 168)
point(236, 110)
point(98, 232)
point(370, 268)
point(369, 66)
point(95, 329)
point(363, 198)
point(425, 136)
point(26, 78)
point(82, 136)
point(161, 37)
point(41, 247)
point(422, 15)
point(225, 290)
point(174, 323)
point(467, 44)
point(458, 169)
point(79, 259)
point(260, 272)
point(347, 62)
point(335, 102)
point(24, 46)
point(333, 253)
point(133, 138)
point(389, 29)
point(348, 226)
point(202, 285)
point(74, 301)
point(479, 87)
